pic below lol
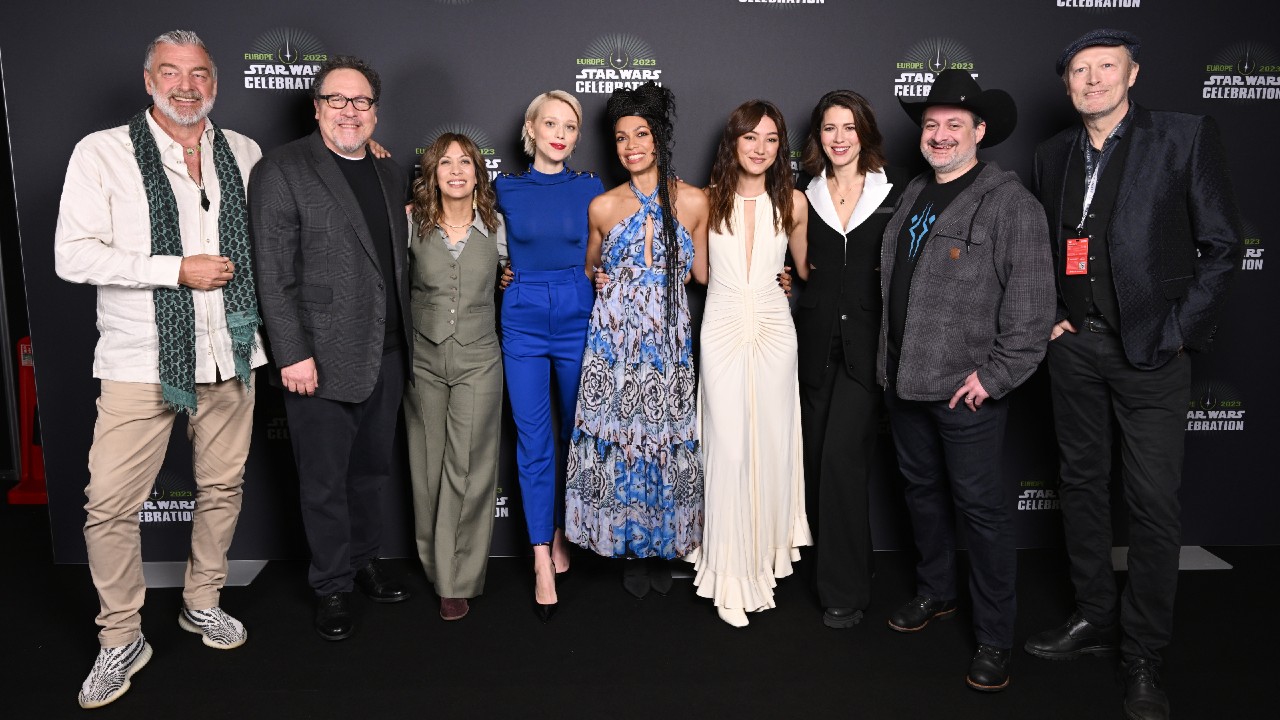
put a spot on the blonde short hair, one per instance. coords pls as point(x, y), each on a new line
point(532, 113)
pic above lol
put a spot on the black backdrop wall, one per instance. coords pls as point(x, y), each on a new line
point(472, 65)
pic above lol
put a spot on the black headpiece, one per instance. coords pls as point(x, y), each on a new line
point(957, 88)
point(655, 104)
point(1105, 37)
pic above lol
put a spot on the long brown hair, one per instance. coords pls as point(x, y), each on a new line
point(725, 170)
point(870, 157)
point(426, 189)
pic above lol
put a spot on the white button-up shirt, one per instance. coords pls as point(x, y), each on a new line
point(103, 238)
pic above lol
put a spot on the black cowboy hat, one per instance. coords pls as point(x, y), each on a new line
point(957, 88)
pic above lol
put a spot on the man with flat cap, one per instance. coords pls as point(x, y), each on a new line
point(1145, 237)
point(968, 302)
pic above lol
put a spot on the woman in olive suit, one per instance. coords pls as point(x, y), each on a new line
point(453, 409)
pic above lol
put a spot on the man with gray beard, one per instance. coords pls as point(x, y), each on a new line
point(154, 213)
point(968, 303)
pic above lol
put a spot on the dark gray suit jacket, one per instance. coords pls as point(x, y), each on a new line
point(319, 284)
point(1174, 234)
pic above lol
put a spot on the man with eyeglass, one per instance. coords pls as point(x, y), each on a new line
point(330, 241)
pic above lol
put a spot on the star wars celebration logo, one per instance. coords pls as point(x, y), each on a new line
point(1252, 248)
point(283, 59)
point(796, 140)
point(172, 499)
point(488, 151)
point(615, 61)
point(1214, 407)
point(500, 509)
point(1245, 71)
point(277, 429)
point(1037, 495)
point(924, 60)
point(1098, 4)
point(781, 3)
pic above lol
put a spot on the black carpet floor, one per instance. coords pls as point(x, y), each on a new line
point(607, 655)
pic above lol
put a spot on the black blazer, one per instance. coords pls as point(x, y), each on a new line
point(844, 280)
point(1175, 201)
point(319, 283)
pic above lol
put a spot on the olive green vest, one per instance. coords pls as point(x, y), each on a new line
point(453, 298)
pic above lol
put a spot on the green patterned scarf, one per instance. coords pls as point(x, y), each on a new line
point(175, 312)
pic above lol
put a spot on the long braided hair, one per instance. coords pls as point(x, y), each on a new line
point(657, 105)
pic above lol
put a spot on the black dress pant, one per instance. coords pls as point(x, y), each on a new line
point(1094, 386)
point(839, 423)
point(343, 452)
point(950, 458)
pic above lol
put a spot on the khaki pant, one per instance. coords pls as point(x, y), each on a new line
point(129, 443)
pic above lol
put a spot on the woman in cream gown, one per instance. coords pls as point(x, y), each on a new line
point(748, 399)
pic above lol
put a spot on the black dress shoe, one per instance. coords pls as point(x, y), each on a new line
point(1072, 639)
point(1144, 698)
point(919, 611)
point(374, 582)
point(635, 577)
point(841, 617)
point(333, 616)
point(989, 669)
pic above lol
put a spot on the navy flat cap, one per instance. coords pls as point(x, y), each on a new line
point(1103, 36)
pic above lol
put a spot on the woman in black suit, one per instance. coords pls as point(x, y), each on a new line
point(851, 197)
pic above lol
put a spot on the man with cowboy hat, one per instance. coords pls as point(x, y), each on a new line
point(1141, 270)
point(968, 301)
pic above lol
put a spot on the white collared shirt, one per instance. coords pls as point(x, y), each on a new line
point(103, 238)
point(875, 188)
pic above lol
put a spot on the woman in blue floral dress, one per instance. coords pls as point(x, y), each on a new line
point(634, 486)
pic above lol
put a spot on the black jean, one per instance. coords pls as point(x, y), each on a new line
point(1096, 391)
point(950, 458)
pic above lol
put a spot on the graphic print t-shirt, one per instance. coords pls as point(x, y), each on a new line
point(933, 199)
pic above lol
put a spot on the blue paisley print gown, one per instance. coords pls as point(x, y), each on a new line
point(634, 485)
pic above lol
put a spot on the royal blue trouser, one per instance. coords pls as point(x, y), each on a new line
point(544, 331)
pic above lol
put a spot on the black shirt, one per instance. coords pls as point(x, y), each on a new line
point(1094, 292)
point(933, 199)
point(362, 176)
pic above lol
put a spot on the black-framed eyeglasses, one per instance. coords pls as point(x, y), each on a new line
point(337, 101)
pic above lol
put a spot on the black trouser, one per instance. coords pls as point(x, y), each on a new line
point(1093, 386)
point(950, 458)
point(343, 451)
point(839, 423)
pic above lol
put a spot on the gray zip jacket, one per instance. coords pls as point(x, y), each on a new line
point(982, 295)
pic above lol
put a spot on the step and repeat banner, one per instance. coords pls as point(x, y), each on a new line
point(472, 66)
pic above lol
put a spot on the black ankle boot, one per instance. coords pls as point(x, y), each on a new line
point(635, 577)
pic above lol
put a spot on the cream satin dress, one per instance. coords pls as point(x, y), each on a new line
point(749, 408)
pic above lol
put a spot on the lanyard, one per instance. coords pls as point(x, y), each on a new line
point(1092, 169)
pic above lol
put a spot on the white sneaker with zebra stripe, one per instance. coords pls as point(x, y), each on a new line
point(218, 629)
point(109, 678)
